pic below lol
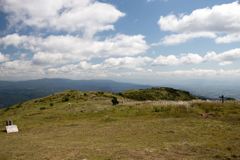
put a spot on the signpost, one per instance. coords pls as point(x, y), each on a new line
point(222, 98)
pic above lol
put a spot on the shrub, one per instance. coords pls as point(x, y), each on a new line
point(51, 104)
point(65, 99)
point(114, 101)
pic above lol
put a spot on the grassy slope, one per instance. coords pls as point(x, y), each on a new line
point(89, 127)
point(158, 94)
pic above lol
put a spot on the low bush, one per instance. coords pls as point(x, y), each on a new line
point(114, 101)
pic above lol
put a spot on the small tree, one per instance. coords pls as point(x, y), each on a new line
point(114, 101)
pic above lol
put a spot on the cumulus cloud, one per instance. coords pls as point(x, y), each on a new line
point(82, 66)
point(3, 58)
point(228, 38)
point(67, 48)
point(47, 64)
point(224, 58)
point(86, 16)
point(220, 22)
point(135, 63)
point(184, 37)
point(20, 69)
point(75, 50)
point(26, 69)
point(75, 45)
point(13, 40)
point(201, 73)
point(189, 58)
point(53, 59)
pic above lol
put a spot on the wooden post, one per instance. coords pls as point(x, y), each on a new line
point(9, 122)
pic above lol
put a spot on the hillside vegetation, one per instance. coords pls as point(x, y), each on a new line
point(155, 94)
point(75, 125)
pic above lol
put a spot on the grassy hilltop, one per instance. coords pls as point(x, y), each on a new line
point(75, 125)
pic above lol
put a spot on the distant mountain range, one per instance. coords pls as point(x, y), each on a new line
point(16, 92)
point(20, 91)
point(211, 89)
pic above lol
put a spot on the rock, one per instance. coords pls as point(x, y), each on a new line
point(12, 129)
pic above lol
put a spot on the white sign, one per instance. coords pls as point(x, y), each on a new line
point(11, 129)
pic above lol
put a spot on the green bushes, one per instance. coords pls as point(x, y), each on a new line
point(158, 94)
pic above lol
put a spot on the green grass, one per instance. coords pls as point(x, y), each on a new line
point(87, 126)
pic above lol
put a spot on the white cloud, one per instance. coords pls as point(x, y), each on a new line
point(224, 58)
point(221, 22)
point(235, 37)
point(86, 16)
point(201, 73)
point(112, 67)
point(19, 69)
point(82, 66)
point(225, 63)
point(189, 58)
point(166, 60)
point(183, 37)
point(13, 40)
point(76, 51)
point(45, 64)
point(135, 63)
point(54, 49)
point(3, 58)
point(124, 45)
point(76, 45)
point(44, 58)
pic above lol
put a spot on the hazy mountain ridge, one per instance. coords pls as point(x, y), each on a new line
point(16, 92)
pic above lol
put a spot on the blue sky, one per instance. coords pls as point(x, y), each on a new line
point(144, 41)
